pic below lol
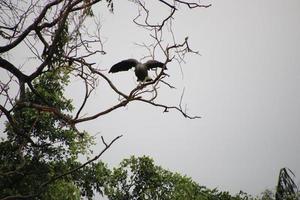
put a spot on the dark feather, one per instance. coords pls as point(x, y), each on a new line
point(124, 65)
point(150, 64)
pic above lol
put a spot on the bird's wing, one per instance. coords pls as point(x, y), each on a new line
point(124, 65)
point(150, 64)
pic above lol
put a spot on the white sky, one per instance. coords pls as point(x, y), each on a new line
point(246, 87)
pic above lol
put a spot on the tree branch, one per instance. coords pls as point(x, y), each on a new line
point(21, 37)
point(167, 108)
point(121, 104)
point(107, 146)
point(12, 69)
point(193, 5)
point(44, 108)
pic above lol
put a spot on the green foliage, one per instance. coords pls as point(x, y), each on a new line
point(270, 195)
point(52, 140)
point(92, 178)
point(50, 85)
point(140, 179)
point(38, 146)
point(286, 187)
point(57, 50)
point(62, 190)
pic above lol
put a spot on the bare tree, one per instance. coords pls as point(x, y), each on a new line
point(54, 36)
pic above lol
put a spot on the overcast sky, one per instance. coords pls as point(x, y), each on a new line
point(245, 86)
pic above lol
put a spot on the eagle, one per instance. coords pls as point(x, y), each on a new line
point(140, 69)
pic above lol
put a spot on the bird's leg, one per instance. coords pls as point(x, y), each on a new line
point(148, 79)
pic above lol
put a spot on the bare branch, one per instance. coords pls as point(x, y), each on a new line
point(103, 141)
point(8, 115)
point(193, 5)
point(87, 94)
point(166, 3)
point(12, 69)
point(121, 104)
point(167, 108)
point(29, 28)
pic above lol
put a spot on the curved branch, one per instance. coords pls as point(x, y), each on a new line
point(121, 104)
point(108, 81)
point(12, 69)
point(8, 115)
point(87, 94)
point(164, 2)
point(148, 25)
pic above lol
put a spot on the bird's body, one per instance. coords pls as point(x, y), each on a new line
point(141, 69)
point(141, 72)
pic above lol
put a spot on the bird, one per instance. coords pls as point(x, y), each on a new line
point(140, 69)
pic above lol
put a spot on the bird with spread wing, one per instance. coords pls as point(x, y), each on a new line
point(140, 69)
